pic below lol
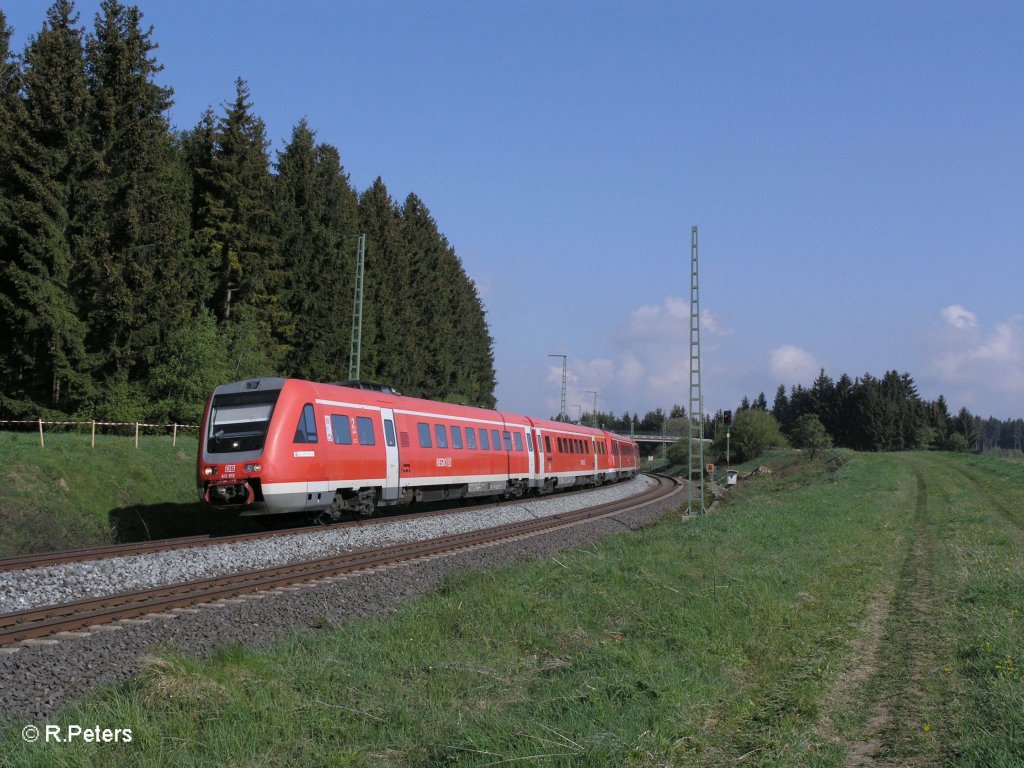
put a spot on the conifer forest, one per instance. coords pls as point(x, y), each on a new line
point(142, 264)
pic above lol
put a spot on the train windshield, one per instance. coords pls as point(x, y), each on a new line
point(239, 421)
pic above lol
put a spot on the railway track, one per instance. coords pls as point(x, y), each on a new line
point(44, 559)
point(81, 614)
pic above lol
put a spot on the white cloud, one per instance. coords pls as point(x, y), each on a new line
point(984, 367)
point(960, 317)
point(649, 365)
point(793, 365)
point(709, 324)
point(667, 322)
point(631, 371)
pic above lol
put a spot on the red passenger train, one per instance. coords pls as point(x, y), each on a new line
point(271, 446)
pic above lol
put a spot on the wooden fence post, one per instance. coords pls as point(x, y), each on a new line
point(41, 443)
point(136, 434)
point(174, 439)
point(94, 433)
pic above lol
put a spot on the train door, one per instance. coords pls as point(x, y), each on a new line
point(391, 489)
point(538, 440)
point(531, 441)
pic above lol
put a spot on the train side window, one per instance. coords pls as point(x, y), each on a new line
point(305, 431)
point(508, 439)
point(471, 438)
point(519, 440)
point(561, 445)
point(341, 428)
point(441, 435)
point(530, 443)
point(495, 439)
point(424, 431)
point(457, 438)
point(484, 444)
point(547, 443)
point(364, 424)
point(389, 432)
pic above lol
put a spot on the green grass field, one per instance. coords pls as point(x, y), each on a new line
point(68, 494)
point(861, 610)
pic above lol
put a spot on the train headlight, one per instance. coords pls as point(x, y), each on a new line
point(253, 467)
point(208, 471)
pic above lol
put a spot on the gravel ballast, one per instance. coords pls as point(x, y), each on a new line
point(56, 584)
point(37, 680)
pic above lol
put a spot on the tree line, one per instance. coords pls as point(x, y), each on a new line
point(884, 414)
point(651, 422)
point(142, 265)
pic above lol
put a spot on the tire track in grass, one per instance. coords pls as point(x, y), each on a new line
point(897, 664)
point(994, 501)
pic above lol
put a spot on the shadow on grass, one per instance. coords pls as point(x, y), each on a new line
point(143, 522)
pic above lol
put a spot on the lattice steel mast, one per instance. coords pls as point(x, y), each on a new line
point(357, 313)
point(561, 409)
point(696, 457)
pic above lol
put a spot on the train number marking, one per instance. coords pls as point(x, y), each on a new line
point(444, 461)
point(304, 454)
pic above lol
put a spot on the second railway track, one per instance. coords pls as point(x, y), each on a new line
point(81, 614)
point(129, 549)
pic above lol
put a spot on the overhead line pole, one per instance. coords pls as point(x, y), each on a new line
point(356, 350)
point(561, 408)
point(696, 431)
point(594, 393)
point(355, 356)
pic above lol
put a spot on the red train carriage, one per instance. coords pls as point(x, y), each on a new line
point(572, 455)
point(285, 445)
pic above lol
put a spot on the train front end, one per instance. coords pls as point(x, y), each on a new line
point(233, 441)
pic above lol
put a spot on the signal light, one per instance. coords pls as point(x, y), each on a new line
point(727, 418)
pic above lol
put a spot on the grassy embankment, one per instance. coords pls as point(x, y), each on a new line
point(865, 612)
point(68, 494)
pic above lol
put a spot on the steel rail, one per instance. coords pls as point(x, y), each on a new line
point(40, 622)
point(105, 552)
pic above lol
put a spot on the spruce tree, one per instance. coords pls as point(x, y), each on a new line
point(780, 407)
point(237, 232)
point(389, 290)
point(315, 209)
point(44, 151)
point(453, 345)
point(197, 148)
point(137, 238)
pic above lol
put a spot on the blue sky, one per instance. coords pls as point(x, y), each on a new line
point(855, 170)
